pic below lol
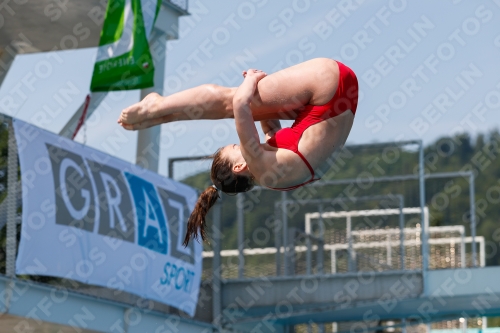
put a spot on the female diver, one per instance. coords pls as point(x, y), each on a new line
point(321, 95)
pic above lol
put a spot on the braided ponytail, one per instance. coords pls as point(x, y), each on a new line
point(223, 177)
point(197, 219)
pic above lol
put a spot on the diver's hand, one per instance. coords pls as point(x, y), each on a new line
point(254, 74)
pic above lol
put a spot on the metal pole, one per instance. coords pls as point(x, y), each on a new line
point(402, 232)
point(11, 243)
point(308, 255)
point(421, 180)
point(329, 201)
point(385, 144)
point(97, 98)
point(482, 262)
point(148, 139)
point(172, 160)
point(284, 218)
point(350, 264)
point(472, 199)
point(333, 260)
point(277, 241)
point(388, 249)
point(240, 201)
point(216, 266)
point(426, 227)
point(320, 258)
point(321, 244)
point(462, 248)
point(292, 235)
point(170, 168)
point(383, 179)
point(339, 181)
point(308, 230)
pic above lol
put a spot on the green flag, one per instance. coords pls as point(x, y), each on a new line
point(123, 58)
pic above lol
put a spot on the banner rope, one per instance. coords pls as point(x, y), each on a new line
point(82, 118)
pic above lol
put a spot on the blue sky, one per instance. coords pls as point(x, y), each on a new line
point(426, 68)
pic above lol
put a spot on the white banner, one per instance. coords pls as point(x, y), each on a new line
point(94, 218)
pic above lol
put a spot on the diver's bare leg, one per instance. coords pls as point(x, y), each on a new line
point(311, 82)
point(207, 101)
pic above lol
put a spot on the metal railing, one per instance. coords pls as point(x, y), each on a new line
point(281, 236)
point(284, 196)
point(285, 249)
point(349, 214)
point(380, 255)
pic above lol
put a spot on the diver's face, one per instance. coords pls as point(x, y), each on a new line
point(233, 154)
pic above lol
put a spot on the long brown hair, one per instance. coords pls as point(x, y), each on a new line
point(225, 180)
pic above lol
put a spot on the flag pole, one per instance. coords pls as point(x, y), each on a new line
point(83, 117)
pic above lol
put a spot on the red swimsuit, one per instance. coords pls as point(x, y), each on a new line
point(345, 98)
